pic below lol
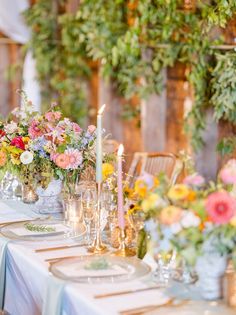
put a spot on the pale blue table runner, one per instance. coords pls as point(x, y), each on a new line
point(3, 249)
point(53, 299)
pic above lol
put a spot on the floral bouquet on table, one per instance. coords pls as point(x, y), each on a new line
point(38, 148)
point(190, 218)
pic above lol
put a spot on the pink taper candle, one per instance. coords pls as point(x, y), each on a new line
point(121, 217)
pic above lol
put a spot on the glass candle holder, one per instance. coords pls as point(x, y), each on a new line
point(28, 194)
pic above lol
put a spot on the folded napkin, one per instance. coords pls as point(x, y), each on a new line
point(78, 269)
point(3, 248)
point(52, 302)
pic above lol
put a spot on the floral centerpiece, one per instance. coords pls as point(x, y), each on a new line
point(194, 219)
point(39, 147)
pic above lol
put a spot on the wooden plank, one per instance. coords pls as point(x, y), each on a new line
point(207, 159)
point(153, 122)
point(227, 129)
point(4, 87)
point(14, 84)
point(112, 116)
point(72, 6)
point(176, 95)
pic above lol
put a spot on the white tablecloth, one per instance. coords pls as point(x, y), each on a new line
point(27, 276)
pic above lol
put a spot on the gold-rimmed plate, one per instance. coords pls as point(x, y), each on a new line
point(41, 230)
point(99, 269)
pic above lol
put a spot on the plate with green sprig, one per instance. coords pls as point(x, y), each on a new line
point(37, 230)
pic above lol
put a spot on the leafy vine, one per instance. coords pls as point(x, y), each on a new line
point(133, 40)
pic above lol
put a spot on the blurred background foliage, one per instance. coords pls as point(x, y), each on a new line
point(133, 41)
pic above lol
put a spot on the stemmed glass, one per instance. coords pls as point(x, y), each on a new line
point(136, 220)
point(89, 208)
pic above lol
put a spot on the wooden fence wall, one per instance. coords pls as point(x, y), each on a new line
point(161, 115)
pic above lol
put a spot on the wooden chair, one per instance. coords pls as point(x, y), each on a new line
point(154, 163)
point(110, 145)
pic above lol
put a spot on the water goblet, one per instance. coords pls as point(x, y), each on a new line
point(166, 263)
point(89, 206)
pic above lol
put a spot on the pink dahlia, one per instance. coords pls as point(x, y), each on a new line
point(34, 130)
point(76, 127)
point(221, 207)
point(52, 116)
point(194, 180)
point(75, 158)
point(228, 172)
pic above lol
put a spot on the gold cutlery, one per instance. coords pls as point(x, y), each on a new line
point(144, 309)
point(105, 295)
point(19, 221)
point(52, 260)
point(47, 249)
point(26, 220)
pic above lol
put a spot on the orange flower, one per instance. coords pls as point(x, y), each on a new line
point(191, 196)
point(170, 215)
point(3, 158)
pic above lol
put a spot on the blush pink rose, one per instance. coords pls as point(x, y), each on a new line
point(76, 127)
point(221, 207)
point(228, 172)
point(194, 180)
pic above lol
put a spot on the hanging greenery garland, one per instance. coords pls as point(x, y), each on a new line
point(62, 71)
point(133, 42)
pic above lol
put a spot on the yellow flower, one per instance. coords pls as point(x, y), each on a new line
point(170, 215)
point(128, 192)
point(233, 221)
point(150, 202)
point(15, 159)
point(156, 182)
point(107, 170)
point(140, 188)
point(178, 192)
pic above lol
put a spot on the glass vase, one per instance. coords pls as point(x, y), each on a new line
point(210, 269)
point(49, 199)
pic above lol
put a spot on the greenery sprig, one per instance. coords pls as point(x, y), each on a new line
point(38, 228)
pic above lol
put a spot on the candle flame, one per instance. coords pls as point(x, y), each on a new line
point(120, 150)
point(101, 109)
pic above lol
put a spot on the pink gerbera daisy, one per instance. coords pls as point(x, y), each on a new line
point(221, 207)
point(75, 158)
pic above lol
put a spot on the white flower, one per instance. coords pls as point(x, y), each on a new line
point(189, 219)
point(26, 157)
point(11, 127)
point(175, 228)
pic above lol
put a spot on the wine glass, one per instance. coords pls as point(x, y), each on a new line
point(89, 209)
